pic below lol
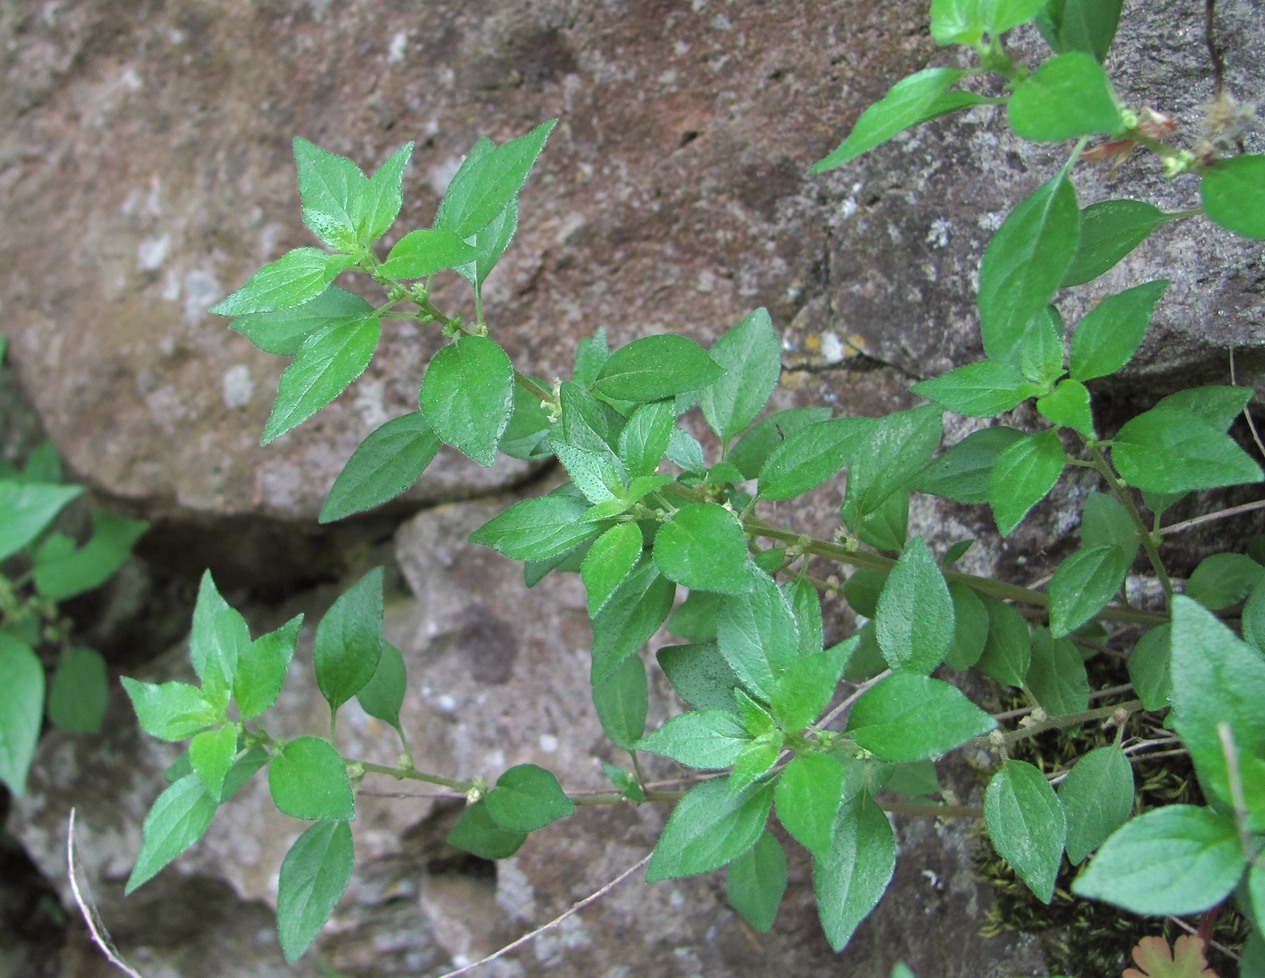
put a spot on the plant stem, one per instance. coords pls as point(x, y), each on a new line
point(412, 774)
point(1069, 720)
point(1145, 535)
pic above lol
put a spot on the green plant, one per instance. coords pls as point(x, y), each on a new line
point(40, 568)
point(832, 740)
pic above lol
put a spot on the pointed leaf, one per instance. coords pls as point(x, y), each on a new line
point(386, 464)
point(284, 331)
point(851, 879)
point(422, 253)
point(1110, 229)
point(811, 455)
point(383, 695)
point(915, 621)
point(349, 641)
point(703, 547)
point(635, 611)
point(622, 701)
point(907, 717)
point(1026, 824)
point(808, 796)
point(1106, 339)
point(1233, 193)
point(314, 875)
point(179, 817)
point(655, 367)
point(480, 192)
point(1084, 583)
point(378, 204)
point(261, 669)
point(296, 277)
point(1167, 450)
point(79, 694)
point(1023, 475)
point(1097, 796)
point(702, 739)
point(330, 187)
point(21, 710)
point(468, 396)
point(1067, 96)
point(979, 390)
point(756, 882)
point(28, 508)
point(709, 827)
point(527, 798)
point(751, 356)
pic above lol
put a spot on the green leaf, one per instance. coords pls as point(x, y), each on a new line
point(808, 796)
point(1217, 680)
point(1008, 648)
point(219, 638)
point(709, 827)
point(805, 686)
point(1067, 96)
point(179, 817)
point(383, 695)
point(644, 438)
point(1026, 825)
point(1166, 450)
point(1084, 583)
point(1056, 676)
point(330, 187)
point(79, 693)
point(1068, 405)
point(424, 252)
point(378, 204)
point(349, 642)
point(751, 356)
point(1178, 860)
point(284, 331)
point(1097, 797)
point(709, 740)
point(979, 390)
point(700, 675)
point(685, 451)
point(703, 547)
point(758, 635)
point(622, 701)
point(1110, 229)
point(756, 444)
point(1024, 265)
point(609, 561)
point(1149, 668)
point(1218, 406)
point(527, 798)
point(1233, 194)
point(211, 753)
point(386, 464)
point(27, 509)
point(600, 479)
point(527, 435)
point(314, 875)
point(961, 473)
point(915, 621)
point(1106, 339)
point(21, 710)
point(1023, 475)
point(756, 881)
point(850, 880)
point(490, 242)
point(297, 277)
point(806, 606)
point(639, 605)
point(468, 396)
point(261, 669)
point(966, 21)
point(655, 367)
point(477, 833)
point(1085, 25)
point(326, 365)
point(63, 570)
point(537, 529)
point(308, 780)
point(1253, 617)
point(1223, 580)
point(907, 717)
point(919, 98)
point(889, 459)
point(970, 631)
point(811, 455)
point(171, 711)
point(481, 191)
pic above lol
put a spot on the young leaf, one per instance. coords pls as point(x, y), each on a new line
point(1023, 475)
point(179, 817)
point(468, 396)
point(709, 827)
point(1024, 265)
point(1068, 405)
point(610, 559)
point(758, 635)
point(330, 187)
point(756, 881)
point(1056, 676)
point(655, 367)
point(961, 472)
point(1097, 797)
point(915, 623)
point(527, 798)
point(805, 686)
point(1233, 194)
point(709, 740)
point(261, 669)
point(326, 365)
point(1106, 339)
point(811, 455)
point(422, 253)
point(383, 695)
point(1084, 583)
point(622, 701)
point(296, 277)
point(378, 204)
point(284, 331)
point(919, 98)
point(1026, 824)
point(1081, 25)
point(979, 390)
point(211, 754)
point(28, 509)
point(79, 693)
point(219, 639)
point(1167, 450)
point(314, 875)
point(1110, 229)
point(349, 642)
point(490, 243)
point(476, 832)
point(808, 795)
point(644, 438)
point(806, 606)
point(308, 780)
point(481, 191)
point(907, 717)
point(849, 881)
point(685, 451)
point(537, 529)
point(63, 570)
point(386, 464)
point(703, 547)
point(751, 356)
point(1067, 96)
point(1178, 860)
point(21, 710)
point(170, 711)
point(639, 605)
